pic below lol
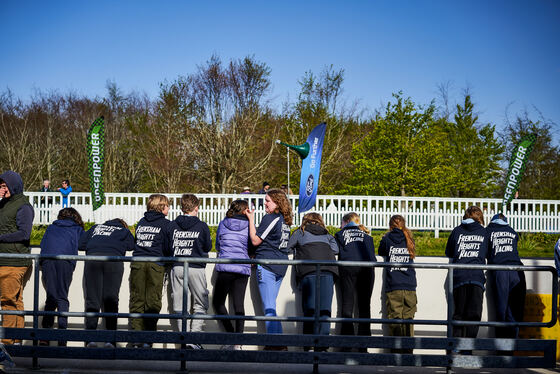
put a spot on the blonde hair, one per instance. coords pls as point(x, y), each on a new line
point(354, 217)
point(397, 221)
point(475, 213)
point(283, 204)
point(313, 219)
point(157, 202)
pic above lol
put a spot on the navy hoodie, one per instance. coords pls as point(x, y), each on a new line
point(151, 235)
point(188, 236)
point(502, 244)
point(61, 238)
point(467, 244)
point(108, 239)
point(354, 244)
point(393, 247)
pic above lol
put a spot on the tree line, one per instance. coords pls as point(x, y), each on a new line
point(214, 130)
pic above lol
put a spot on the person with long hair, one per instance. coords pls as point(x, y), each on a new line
point(232, 241)
point(312, 241)
point(60, 238)
point(398, 246)
point(271, 240)
point(468, 244)
point(356, 282)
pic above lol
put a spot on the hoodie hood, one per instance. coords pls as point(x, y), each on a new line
point(499, 222)
point(396, 235)
point(236, 223)
point(470, 224)
point(152, 215)
point(114, 222)
point(13, 181)
point(315, 229)
point(65, 222)
point(186, 222)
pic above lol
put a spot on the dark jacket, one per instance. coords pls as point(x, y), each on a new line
point(354, 244)
point(151, 235)
point(467, 244)
point(61, 238)
point(393, 247)
point(16, 221)
point(315, 243)
point(188, 236)
point(502, 244)
point(108, 239)
point(274, 234)
point(232, 241)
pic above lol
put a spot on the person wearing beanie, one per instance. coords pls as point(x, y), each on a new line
point(16, 222)
point(509, 286)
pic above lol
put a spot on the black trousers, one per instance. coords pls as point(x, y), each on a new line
point(510, 289)
point(356, 282)
point(234, 286)
point(467, 301)
point(56, 276)
point(103, 282)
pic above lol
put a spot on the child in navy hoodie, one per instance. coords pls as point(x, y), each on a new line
point(188, 236)
point(400, 282)
point(509, 286)
point(102, 278)
point(468, 244)
point(60, 238)
point(146, 278)
point(356, 282)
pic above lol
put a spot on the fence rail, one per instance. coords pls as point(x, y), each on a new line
point(421, 213)
point(492, 347)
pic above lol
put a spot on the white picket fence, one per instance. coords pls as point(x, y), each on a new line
point(421, 213)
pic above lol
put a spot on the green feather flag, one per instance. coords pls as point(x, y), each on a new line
point(517, 164)
point(96, 159)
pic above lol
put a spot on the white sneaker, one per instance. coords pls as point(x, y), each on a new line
point(91, 345)
point(194, 346)
point(238, 347)
point(109, 345)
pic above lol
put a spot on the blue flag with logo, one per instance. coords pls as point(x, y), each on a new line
point(310, 168)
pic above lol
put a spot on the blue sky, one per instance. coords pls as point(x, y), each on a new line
point(506, 52)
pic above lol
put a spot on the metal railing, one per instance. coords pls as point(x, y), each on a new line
point(421, 213)
point(449, 344)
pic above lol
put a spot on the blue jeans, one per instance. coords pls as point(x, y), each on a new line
point(308, 284)
point(269, 285)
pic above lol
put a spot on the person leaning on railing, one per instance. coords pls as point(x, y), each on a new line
point(398, 246)
point(16, 222)
point(468, 244)
point(146, 277)
point(312, 241)
point(60, 238)
point(103, 278)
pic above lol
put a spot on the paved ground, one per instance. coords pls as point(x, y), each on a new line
point(69, 366)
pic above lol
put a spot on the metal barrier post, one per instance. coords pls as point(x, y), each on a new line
point(449, 315)
point(316, 313)
point(184, 310)
point(35, 307)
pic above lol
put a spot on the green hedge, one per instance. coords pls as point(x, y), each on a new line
point(530, 244)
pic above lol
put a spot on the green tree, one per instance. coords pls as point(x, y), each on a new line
point(404, 153)
point(475, 154)
point(541, 179)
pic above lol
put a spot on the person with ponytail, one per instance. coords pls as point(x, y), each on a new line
point(400, 282)
point(232, 241)
point(468, 244)
point(356, 282)
point(271, 240)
